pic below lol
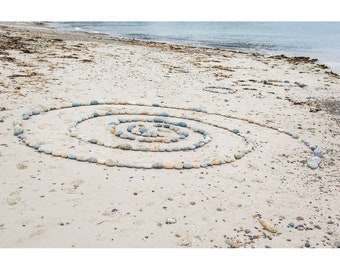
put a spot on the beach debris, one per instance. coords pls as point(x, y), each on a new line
point(267, 225)
point(170, 221)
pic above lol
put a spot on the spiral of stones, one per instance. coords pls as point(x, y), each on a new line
point(158, 119)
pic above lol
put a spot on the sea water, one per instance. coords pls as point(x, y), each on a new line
point(319, 40)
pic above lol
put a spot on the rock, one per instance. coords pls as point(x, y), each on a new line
point(143, 129)
point(183, 133)
point(130, 128)
point(168, 166)
point(164, 114)
point(76, 104)
point(158, 120)
point(216, 161)
point(125, 146)
point(314, 162)
point(268, 226)
point(95, 114)
point(71, 156)
point(291, 225)
point(123, 136)
point(235, 131)
point(48, 151)
point(167, 140)
point(157, 165)
point(174, 139)
point(56, 154)
point(93, 140)
point(21, 166)
point(299, 218)
point(178, 165)
point(318, 152)
point(154, 148)
point(182, 124)
point(25, 116)
point(101, 161)
point(307, 245)
point(109, 162)
point(94, 102)
point(170, 221)
point(153, 133)
point(196, 165)
point(81, 158)
point(35, 112)
point(92, 159)
point(187, 166)
point(18, 130)
point(239, 155)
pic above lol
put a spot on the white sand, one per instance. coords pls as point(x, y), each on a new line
point(53, 202)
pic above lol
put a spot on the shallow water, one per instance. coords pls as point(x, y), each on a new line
point(319, 40)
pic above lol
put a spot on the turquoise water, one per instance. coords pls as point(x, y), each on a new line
point(319, 40)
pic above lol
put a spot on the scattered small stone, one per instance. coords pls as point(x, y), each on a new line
point(299, 218)
point(307, 245)
point(170, 221)
point(291, 225)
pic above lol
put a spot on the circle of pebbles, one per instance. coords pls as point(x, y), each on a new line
point(219, 90)
point(142, 134)
point(160, 118)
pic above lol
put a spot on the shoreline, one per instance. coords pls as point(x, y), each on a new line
point(302, 58)
point(268, 197)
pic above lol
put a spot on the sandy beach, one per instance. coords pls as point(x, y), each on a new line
point(240, 150)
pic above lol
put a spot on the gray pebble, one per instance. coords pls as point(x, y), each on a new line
point(314, 162)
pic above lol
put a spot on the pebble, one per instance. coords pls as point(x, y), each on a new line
point(71, 156)
point(182, 124)
point(56, 154)
point(314, 162)
point(125, 146)
point(157, 165)
point(299, 218)
point(187, 166)
point(76, 104)
point(92, 160)
point(81, 158)
point(216, 162)
point(109, 162)
point(318, 152)
point(168, 166)
point(167, 140)
point(307, 245)
point(48, 151)
point(35, 112)
point(18, 130)
point(25, 116)
point(268, 226)
point(93, 140)
point(94, 102)
point(235, 131)
point(239, 155)
point(154, 148)
point(170, 221)
point(291, 225)
point(101, 161)
point(178, 165)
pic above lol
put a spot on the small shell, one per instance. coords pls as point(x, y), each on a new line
point(268, 226)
